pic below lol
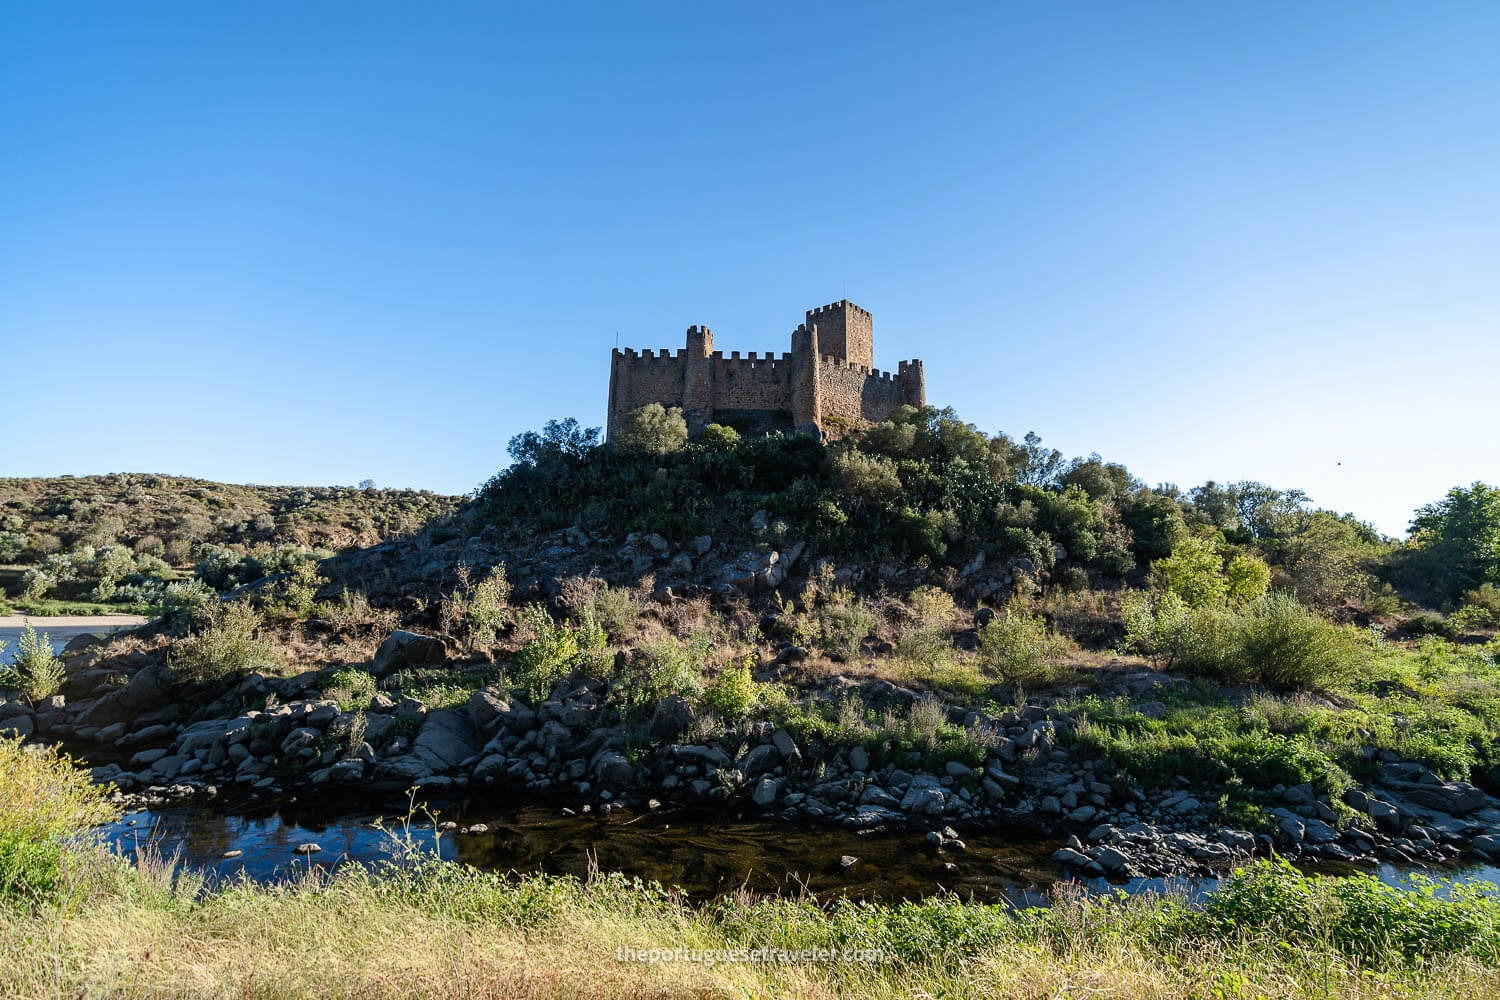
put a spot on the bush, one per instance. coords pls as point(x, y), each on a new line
point(1487, 597)
point(555, 650)
point(1284, 644)
point(719, 437)
point(227, 648)
point(36, 671)
point(652, 430)
point(351, 688)
point(43, 799)
point(843, 624)
point(1246, 579)
point(1020, 649)
point(733, 692)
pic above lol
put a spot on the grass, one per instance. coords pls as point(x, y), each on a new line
point(50, 607)
point(429, 928)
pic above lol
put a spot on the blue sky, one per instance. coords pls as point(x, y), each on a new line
point(315, 243)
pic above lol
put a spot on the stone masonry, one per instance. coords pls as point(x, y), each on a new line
point(826, 384)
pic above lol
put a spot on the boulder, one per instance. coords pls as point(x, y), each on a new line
point(407, 649)
point(759, 760)
point(611, 768)
point(491, 709)
point(765, 792)
point(672, 717)
point(444, 741)
point(923, 796)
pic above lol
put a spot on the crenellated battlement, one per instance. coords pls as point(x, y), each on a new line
point(829, 374)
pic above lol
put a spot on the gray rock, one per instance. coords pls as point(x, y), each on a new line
point(611, 768)
point(759, 760)
point(1070, 857)
point(786, 746)
point(924, 795)
point(958, 769)
point(1110, 859)
point(407, 649)
point(874, 795)
point(765, 791)
point(490, 708)
point(859, 758)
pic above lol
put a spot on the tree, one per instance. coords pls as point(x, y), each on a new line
point(558, 439)
point(652, 430)
point(367, 484)
point(1455, 543)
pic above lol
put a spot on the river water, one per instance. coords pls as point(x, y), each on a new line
point(704, 855)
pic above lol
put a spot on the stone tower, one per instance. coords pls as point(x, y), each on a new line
point(845, 331)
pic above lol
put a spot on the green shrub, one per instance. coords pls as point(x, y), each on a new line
point(1246, 579)
point(668, 666)
point(652, 430)
point(924, 641)
point(43, 799)
point(36, 671)
point(843, 624)
point(229, 647)
point(351, 688)
point(719, 437)
point(1486, 596)
point(1020, 649)
point(1194, 572)
point(732, 693)
point(1283, 644)
point(545, 658)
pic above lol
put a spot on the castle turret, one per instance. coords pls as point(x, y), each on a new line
point(698, 379)
point(807, 382)
point(845, 331)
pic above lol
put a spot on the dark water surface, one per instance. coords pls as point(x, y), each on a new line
point(701, 854)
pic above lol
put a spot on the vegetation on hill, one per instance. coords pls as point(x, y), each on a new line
point(96, 543)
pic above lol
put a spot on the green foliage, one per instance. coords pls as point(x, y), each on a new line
point(1246, 580)
point(732, 693)
point(924, 640)
point(866, 477)
point(545, 658)
point(843, 622)
point(351, 688)
point(43, 799)
point(665, 667)
point(1194, 572)
point(1020, 649)
point(12, 544)
point(719, 437)
point(1274, 641)
point(652, 430)
point(1283, 644)
point(227, 648)
point(1455, 544)
point(36, 670)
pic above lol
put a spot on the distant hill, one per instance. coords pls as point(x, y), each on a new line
point(171, 514)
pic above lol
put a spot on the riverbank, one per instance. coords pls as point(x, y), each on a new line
point(104, 623)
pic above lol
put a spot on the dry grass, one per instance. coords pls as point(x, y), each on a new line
point(340, 938)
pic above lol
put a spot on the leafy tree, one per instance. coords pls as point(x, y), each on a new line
point(1194, 572)
point(559, 438)
point(1455, 543)
point(652, 430)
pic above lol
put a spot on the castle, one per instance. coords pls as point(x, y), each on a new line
point(826, 385)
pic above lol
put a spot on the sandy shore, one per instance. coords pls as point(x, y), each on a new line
point(73, 621)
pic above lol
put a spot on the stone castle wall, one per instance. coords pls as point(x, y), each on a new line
point(814, 387)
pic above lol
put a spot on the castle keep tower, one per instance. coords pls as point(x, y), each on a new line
point(826, 385)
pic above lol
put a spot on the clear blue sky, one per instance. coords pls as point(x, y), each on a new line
point(314, 243)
